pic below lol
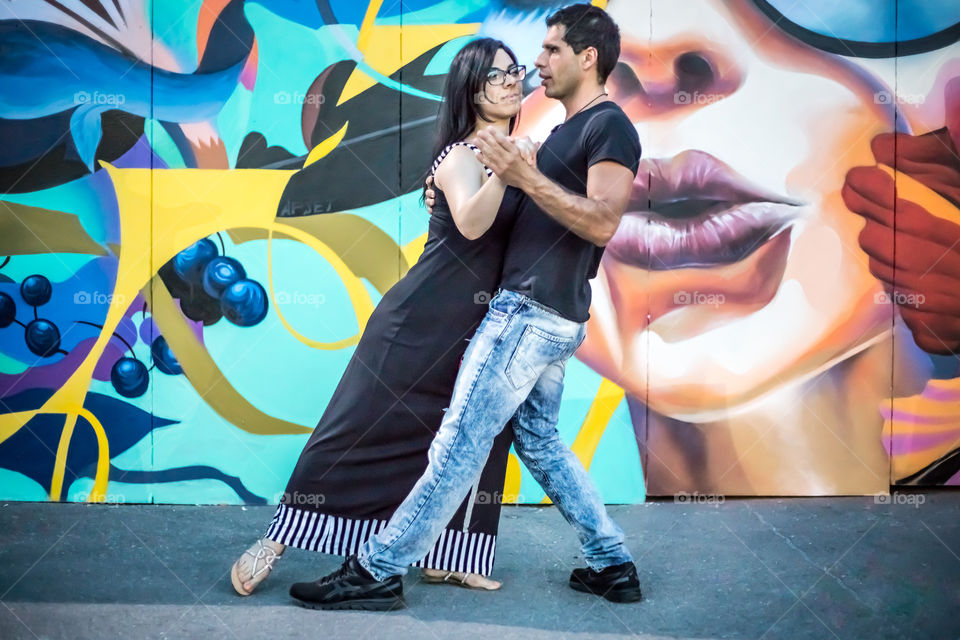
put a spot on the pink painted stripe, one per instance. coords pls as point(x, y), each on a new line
point(911, 442)
point(912, 418)
point(942, 395)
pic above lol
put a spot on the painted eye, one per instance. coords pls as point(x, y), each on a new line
point(867, 29)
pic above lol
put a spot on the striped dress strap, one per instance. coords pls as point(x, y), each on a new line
point(449, 148)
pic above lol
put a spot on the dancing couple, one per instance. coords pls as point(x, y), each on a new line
point(408, 460)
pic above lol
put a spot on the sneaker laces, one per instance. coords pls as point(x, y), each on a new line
point(336, 575)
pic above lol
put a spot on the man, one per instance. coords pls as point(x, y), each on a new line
point(513, 368)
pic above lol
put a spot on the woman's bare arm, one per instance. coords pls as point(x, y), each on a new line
point(473, 201)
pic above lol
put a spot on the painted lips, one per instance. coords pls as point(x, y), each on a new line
point(692, 210)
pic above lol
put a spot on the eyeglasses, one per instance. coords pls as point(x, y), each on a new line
point(497, 76)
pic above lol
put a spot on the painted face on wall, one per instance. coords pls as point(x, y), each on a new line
point(736, 269)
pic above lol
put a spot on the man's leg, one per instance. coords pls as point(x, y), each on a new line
point(482, 403)
point(561, 474)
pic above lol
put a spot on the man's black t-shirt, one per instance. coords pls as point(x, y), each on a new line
point(545, 260)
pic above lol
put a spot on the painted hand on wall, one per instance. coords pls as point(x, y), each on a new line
point(924, 274)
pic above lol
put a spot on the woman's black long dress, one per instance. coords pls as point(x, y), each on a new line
point(370, 446)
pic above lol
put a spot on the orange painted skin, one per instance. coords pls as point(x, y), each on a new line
point(772, 387)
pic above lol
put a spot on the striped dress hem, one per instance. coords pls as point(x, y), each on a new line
point(455, 550)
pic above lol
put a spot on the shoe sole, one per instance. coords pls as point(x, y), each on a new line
point(363, 605)
point(633, 595)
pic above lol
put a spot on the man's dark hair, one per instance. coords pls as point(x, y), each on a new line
point(589, 26)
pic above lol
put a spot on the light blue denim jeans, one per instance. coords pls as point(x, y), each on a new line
point(512, 369)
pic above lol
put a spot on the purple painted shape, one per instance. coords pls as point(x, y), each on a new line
point(111, 353)
point(140, 156)
point(911, 418)
point(942, 395)
point(148, 330)
point(127, 330)
point(910, 442)
point(54, 375)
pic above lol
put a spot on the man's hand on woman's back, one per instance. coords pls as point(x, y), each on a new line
point(429, 196)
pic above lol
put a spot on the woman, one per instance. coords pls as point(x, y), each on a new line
point(371, 443)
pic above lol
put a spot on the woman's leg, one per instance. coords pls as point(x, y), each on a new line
point(481, 515)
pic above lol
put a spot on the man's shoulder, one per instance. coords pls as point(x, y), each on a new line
point(610, 135)
point(611, 114)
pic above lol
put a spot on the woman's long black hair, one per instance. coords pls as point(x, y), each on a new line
point(465, 81)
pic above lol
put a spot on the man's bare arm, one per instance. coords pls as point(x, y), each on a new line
point(594, 218)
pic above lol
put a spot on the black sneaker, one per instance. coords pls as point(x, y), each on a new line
point(350, 587)
point(618, 583)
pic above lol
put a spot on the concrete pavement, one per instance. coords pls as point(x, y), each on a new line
point(744, 568)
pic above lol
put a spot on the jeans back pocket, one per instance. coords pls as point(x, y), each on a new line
point(535, 350)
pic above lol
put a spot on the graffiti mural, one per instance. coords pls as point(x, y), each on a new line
point(203, 201)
